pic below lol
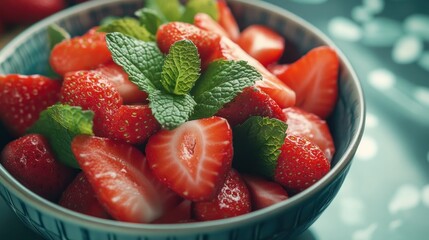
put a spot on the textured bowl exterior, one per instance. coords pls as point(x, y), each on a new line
point(28, 54)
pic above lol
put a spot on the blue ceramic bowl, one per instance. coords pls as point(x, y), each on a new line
point(28, 54)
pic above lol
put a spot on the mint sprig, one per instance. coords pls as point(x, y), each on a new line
point(128, 26)
point(60, 124)
point(199, 6)
point(150, 19)
point(169, 10)
point(181, 68)
point(220, 83)
point(257, 144)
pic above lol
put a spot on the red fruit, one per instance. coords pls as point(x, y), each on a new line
point(130, 93)
point(271, 85)
point(227, 20)
point(310, 126)
point(22, 98)
point(262, 43)
point(28, 11)
point(80, 53)
point(232, 200)
point(301, 163)
point(133, 124)
point(205, 41)
point(30, 160)
point(121, 179)
point(263, 192)
point(194, 158)
point(180, 214)
point(92, 91)
point(80, 197)
point(314, 79)
point(205, 22)
point(251, 102)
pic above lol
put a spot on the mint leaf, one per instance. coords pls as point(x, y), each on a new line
point(220, 83)
point(107, 20)
point(257, 144)
point(56, 34)
point(171, 9)
point(150, 19)
point(128, 26)
point(199, 6)
point(60, 124)
point(171, 110)
point(142, 61)
point(181, 68)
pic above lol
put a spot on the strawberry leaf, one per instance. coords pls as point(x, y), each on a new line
point(128, 26)
point(181, 68)
point(199, 6)
point(150, 19)
point(56, 34)
point(171, 10)
point(60, 124)
point(220, 83)
point(257, 144)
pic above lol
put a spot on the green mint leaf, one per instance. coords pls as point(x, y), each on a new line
point(128, 26)
point(181, 67)
point(107, 20)
point(60, 124)
point(56, 34)
point(257, 144)
point(199, 6)
point(171, 10)
point(171, 110)
point(150, 19)
point(142, 61)
point(220, 83)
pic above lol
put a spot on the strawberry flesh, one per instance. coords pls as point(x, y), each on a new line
point(194, 158)
point(121, 179)
point(264, 192)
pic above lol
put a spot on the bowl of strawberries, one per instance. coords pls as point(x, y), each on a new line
point(153, 120)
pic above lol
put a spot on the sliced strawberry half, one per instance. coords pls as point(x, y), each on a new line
point(264, 192)
point(130, 93)
point(227, 20)
point(205, 22)
point(180, 214)
point(314, 78)
point(305, 124)
point(251, 102)
point(194, 158)
point(271, 85)
point(122, 181)
point(232, 200)
point(80, 197)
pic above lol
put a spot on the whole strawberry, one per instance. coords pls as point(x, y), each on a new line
point(28, 11)
point(300, 164)
point(80, 53)
point(31, 161)
point(92, 91)
point(232, 200)
point(22, 98)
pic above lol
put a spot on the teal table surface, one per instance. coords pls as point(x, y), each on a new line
point(386, 194)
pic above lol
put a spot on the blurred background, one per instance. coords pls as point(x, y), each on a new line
point(386, 194)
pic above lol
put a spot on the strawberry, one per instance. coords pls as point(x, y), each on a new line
point(31, 161)
point(251, 102)
point(133, 124)
point(80, 53)
point(180, 214)
point(227, 20)
point(194, 158)
point(271, 85)
point(264, 192)
point(80, 197)
point(304, 124)
point(207, 23)
point(232, 200)
point(28, 11)
point(205, 41)
point(92, 91)
point(300, 164)
point(129, 92)
point(22, 98)
point(121, 179)
point(314, 79)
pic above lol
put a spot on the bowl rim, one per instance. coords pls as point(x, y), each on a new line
point(79, 219)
